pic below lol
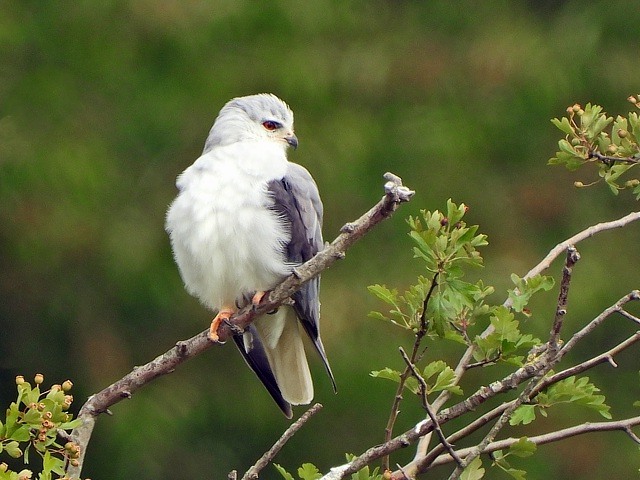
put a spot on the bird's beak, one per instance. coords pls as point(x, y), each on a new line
point(292, 140)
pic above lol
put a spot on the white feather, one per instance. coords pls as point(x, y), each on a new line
point(226, 241)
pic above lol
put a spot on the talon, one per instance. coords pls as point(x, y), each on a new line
point(223, 315)
point(257, 298)
point(235, 329)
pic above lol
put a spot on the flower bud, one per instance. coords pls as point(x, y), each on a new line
point(74, 462)
point(578, 184)
point(3, 467)
point(19, 379)
point(66, 385)
point(632, 99)
point(576, 107)
point(612, 148)
point(622, 133)
point(38, 379)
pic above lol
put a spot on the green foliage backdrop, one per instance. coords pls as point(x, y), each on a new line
point(102, 104)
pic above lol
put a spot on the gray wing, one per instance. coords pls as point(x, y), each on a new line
point(297, 200)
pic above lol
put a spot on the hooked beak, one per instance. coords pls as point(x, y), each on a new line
point(292, 140)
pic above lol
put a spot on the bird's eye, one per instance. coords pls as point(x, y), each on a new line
point(271, 125)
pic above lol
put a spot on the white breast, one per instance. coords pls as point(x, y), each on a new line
point(226, 241)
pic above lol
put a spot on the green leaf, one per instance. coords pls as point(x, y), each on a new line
point(524, 414)
point(563, 125)
point(514, 473)
point(574, 390)
point(21, 434)
point(308, 471)
point(523, 448)
point(384, 294)
point(13, 449)
point(526, 288)
point(474, 470)
point(387, 373)
point(286, 475)
point(71, 424)
point(446, 381)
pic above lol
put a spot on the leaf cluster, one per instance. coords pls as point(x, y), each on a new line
point(578, 391)
point(32, 423)
point(308, 471)
point(441, 303)
point(593, 137)
point(437, 374)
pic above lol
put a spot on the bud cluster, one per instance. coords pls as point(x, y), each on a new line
point(33, 421)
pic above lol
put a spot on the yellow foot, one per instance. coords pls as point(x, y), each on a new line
point(223, 314)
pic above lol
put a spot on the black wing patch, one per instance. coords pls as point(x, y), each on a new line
point(256, 358)
point(297, 202)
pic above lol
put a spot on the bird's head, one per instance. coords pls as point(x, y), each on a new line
point(255, 117)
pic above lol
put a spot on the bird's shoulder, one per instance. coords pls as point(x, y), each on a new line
point(252, 161)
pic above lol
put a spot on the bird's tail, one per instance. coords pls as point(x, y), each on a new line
point(281, 337)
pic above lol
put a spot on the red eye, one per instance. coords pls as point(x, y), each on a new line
point(271, 125)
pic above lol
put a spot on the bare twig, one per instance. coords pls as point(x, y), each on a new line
point(561, 307)
point(616, 307)
point(267, 458)
point(626, 314)
point(395, 194)
point(427, 407)
point(622, 425)
point(610, 161)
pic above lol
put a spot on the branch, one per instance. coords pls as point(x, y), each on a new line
point(623, 425)
point(467, 357)
point(561, 307)
point(427, 407)
point(610, 161)
point(427, 462)
point(395, 194)
point(252, 473)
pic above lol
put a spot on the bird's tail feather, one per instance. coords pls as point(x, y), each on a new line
point(282, 341)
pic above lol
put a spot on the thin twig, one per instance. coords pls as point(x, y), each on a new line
point(427, 407)
point(267, 458)
point(395, 194)
point(395, 407)
point(626, 314)
point(610, 161)
point(561, 306)
point(622, 425)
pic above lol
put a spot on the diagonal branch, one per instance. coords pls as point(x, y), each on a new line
point(395, 194)
point(267, 458)
point(427, 407)
point(429, 460)
point(622, 425)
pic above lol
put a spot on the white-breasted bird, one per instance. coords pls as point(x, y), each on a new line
point(243, 219)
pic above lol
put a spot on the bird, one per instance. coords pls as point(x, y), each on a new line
point(243, 219)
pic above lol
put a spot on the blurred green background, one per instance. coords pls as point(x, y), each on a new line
point(102, 104)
